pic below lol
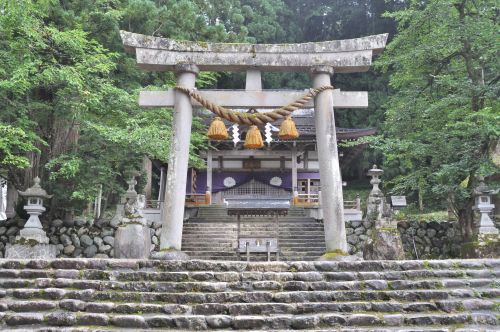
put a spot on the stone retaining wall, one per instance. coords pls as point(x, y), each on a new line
point(77, 238)
point(432, 239)
point(436, 240)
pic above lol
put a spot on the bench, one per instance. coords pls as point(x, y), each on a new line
point(267, 244)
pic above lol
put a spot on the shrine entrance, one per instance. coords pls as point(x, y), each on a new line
point(255, 189)
point(320, 60)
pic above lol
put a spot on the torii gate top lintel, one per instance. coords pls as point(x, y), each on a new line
point(163, 54)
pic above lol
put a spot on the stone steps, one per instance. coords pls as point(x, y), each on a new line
point(300, 239)
point(118, 295)
point(215, 285)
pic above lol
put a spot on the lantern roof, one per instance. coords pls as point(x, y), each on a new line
point(35, 191)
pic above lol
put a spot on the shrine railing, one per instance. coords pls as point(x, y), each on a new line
point(353, 205)
point(153, 204)
point(314, 200)
point(198, 199)
point(306, 199)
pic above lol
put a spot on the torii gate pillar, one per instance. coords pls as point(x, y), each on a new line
point(329, 170)
point(172, 217)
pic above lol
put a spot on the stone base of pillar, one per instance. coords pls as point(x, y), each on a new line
point(484, 246)
point(339, 257)
point(132, 241)
point(33, 235)
point(384, 244)
point(31, 251)
point(170, 255)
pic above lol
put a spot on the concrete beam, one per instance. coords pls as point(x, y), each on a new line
point(258, 99)
point(160, 54)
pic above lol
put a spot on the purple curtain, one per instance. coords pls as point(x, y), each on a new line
point(283, 180)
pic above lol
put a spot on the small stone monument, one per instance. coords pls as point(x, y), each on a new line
point(32, 241)
point(385, 241)
point(132, 237)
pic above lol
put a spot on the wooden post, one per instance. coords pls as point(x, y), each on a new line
point(209, 171)
point(147, 166)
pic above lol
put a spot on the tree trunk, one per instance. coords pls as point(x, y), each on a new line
point(466, 221)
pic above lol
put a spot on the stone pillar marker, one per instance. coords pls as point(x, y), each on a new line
point(329, 170)
point(32, 241)
point(12, 195)
point(173, 213)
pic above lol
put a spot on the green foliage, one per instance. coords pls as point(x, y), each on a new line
point(443, 114)
point(14, 142)
point(68, 92)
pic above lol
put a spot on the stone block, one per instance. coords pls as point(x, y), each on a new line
point(27, 251)
point(61, 319)
point(24, 319)
point(385, 244)
point(92, 319)
point(132, 241)
point(484, 246)
point(129, 321)
point(219, 321)
point(305, 322)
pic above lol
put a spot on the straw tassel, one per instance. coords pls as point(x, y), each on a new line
point(288, 130)
point(217, 130)
point(253, 139)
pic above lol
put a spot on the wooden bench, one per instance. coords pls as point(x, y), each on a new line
point(266, 244)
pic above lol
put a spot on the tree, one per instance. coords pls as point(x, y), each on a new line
point(444, 113)
point(68, 91)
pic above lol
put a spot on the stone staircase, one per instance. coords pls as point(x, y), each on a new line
point(213, 235)
point(121, 295)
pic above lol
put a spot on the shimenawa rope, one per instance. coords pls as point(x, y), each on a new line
point(258, 119)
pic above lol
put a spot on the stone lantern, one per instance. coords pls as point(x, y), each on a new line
point(376, 199)
point(385, 242)
point(132, 236)
point(375, 173)
point(32, 241)
point(483, 203)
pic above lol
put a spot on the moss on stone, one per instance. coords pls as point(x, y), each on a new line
point(334, 254)
point(168, 249)
point(27, 242)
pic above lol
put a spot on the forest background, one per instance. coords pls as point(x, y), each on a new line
point(68, 91)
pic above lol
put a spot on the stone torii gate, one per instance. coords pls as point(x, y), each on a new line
point(320, 59)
